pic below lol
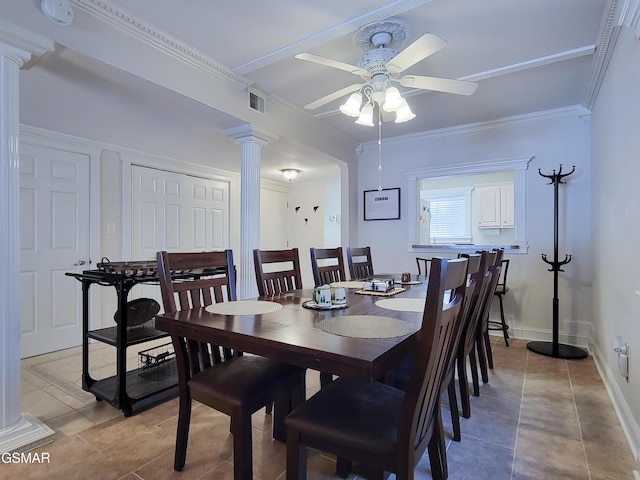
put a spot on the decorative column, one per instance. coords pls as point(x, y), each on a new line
point(18, 432)
point(251, 140)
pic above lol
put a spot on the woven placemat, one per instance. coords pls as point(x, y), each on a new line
point(350, 284)
point(402, 304)
point(393, 291)
point(244, 307)
point(366, 326)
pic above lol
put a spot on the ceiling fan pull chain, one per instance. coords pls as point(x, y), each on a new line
point(379, 149)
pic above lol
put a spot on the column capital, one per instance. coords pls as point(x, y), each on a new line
point(250, 134)
point(20, 43)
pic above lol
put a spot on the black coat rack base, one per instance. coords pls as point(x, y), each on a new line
point(557, 350)
point(554, 348)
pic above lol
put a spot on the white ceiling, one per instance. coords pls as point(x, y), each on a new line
point(526, 55)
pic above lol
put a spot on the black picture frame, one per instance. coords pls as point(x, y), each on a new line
point(382, 204)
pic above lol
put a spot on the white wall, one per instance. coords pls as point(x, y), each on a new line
point(309, 228)
point(616, 226)
point(561, 139)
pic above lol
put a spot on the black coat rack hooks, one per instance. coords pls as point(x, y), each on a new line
point(555, 348)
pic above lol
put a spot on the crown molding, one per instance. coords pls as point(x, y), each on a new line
point(630, 15)
point(120, 18)
point(506, 122)
point(609, 31)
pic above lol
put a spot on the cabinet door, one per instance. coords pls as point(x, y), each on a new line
point(507, 206)
point(489, 201)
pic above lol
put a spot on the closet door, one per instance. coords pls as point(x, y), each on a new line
point(175, 212)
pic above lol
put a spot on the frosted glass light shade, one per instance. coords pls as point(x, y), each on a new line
point(366, 116)
point(352, 105)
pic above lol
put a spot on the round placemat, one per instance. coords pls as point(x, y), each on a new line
point(366, 326)
point(350, 284)
point(244, 307)
point(402, 304)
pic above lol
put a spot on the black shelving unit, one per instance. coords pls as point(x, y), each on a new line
point(126, 390)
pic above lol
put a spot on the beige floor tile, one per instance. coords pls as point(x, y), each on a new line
point(557, 413)
point(43, 405)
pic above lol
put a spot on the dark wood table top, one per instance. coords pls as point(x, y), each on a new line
point(291, 334)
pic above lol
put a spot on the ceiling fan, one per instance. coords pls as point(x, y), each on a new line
point(380, 67)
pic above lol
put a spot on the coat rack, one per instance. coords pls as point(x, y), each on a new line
point(554, 348)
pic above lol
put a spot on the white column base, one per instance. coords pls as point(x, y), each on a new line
point(24, 435)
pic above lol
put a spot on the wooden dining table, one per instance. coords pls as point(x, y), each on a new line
point(292, 334)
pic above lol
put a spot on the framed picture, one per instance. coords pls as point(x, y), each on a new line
point(382, 204)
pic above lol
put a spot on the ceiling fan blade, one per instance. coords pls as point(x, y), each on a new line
point(447, 85)
point(333, 96)
point(426, 45)
point(310, 57)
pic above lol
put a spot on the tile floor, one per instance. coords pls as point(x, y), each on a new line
point(537, 418)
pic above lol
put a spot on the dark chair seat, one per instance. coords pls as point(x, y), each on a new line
point(247, 382)
point(344, 411)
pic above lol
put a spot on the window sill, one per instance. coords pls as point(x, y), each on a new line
point(467, 247)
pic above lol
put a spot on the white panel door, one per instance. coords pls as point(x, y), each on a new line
point(54, 239)
point(175, 212)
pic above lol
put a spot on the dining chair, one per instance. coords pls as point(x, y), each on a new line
point(500, 292)
point(332, 268)
point(483, 340)
point(283, 271)
point(226, 380)
point(360, 263)
point(374, 423)
point(399, 375)
point(424, 262)
point(467, 347)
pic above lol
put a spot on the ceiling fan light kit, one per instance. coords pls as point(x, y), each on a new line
point(380, 65)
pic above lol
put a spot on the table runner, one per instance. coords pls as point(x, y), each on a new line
point(366, 326)
point(244, 307)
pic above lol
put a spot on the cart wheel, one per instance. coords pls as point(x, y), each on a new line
point(127, 411)
point(98, 399)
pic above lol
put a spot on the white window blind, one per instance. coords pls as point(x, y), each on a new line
point(448, 218)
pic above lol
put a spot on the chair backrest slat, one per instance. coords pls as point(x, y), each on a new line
point(329, 272)
point(273, 282)
point(195, 280)
point(359, 262)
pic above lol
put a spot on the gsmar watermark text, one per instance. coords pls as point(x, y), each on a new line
point(27, 457)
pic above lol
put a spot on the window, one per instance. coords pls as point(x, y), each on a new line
point(422, 233)
point(446, 216)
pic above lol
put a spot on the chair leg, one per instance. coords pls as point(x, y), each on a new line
point(505, 333)
point(437, 449)
point(242, 448)
point(488, 352)
point(182, 433)
point(482, 359)
point(296, 457)
point(439, 432)
point(474, 372)
point(343, 467)
point(325, 379)
point(455, 414)
point(463, 383)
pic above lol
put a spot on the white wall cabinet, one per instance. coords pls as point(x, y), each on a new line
point(496, 206)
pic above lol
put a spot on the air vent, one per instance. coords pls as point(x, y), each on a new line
point(256, 101)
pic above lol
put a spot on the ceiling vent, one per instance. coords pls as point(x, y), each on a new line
point(256, 101)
